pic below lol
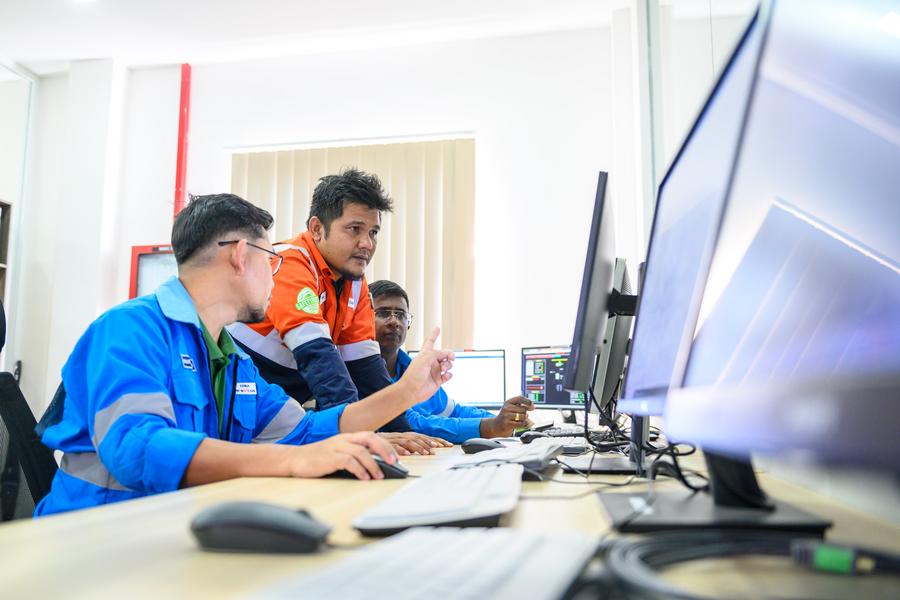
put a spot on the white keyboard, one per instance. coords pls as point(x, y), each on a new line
point(451, 564)
point(475, 496)
point(533, 456)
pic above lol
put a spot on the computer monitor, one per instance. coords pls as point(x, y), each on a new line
point(735, 499)
point(688, 209)
point(602, 325)
point(543, 371)
point(479, 378)
point(798, 347)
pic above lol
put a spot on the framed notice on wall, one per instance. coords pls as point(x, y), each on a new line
point(150, 266)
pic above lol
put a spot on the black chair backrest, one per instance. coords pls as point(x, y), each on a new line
point(26, 464)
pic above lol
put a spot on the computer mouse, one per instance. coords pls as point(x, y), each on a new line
point(394, 471)
point(530, 436)
point(474, 445)
point(258, 527)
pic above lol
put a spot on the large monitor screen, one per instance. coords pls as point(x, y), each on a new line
point(687, 216)
point(479, 378)
point(803, 290)
point(543, 373)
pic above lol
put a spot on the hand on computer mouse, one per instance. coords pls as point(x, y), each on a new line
point(513, 415)
point(349, 451)
point(410, 442)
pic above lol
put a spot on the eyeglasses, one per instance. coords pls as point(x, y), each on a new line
point(275, 259)
point(384, 314)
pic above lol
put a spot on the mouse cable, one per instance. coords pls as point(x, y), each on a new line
point(540, 477)
point(598, 486)
point(339, 546)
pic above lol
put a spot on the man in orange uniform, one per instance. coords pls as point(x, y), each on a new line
point(318, 337)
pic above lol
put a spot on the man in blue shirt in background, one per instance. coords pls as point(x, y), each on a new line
point(440, 415)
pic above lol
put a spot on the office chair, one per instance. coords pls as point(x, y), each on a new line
point(26, 465)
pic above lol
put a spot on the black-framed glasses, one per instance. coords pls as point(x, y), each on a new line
point(275, 259)
point(384, 314)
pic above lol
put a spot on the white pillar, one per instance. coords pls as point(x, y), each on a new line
point(83, 272)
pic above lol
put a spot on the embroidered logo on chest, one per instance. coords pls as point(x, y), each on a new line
point(188, 363)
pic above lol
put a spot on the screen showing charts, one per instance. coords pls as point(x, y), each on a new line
point(543, 371)
point(479, 378)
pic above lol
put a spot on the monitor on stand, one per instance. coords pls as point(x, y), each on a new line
point(602, 327)
point(543, 369)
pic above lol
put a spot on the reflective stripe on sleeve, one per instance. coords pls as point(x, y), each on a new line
point(307, 332)
point(279, 248)
point(269, 346)
point(358, 350)
point(448, 410)
point(87, 467)
point(156, 403)
point(357, 286)
point(281, 424)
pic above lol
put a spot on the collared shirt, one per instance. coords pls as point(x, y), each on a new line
point(133, 419)
point(220, 356)
point(440, 415)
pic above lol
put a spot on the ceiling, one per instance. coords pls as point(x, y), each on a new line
point(44, 35)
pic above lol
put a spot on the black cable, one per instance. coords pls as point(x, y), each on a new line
point(635, 562)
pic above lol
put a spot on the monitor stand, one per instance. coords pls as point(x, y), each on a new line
point(615, 463)
point(735, 502)
point(568, 416)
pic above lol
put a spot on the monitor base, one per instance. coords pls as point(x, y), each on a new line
point(604, 464)
point(642, 513)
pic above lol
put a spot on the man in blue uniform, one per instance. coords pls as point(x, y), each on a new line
point(159, 396)
point(440, 415)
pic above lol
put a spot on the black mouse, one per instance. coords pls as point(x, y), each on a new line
point(394, 471)
point(530, 436)
point(474, 445)
point(258, 527)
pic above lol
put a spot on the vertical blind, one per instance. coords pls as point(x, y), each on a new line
point(426, 245)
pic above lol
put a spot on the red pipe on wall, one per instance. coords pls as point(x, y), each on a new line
point(184, 113)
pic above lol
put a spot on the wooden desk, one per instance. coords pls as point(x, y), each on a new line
point(143, 548)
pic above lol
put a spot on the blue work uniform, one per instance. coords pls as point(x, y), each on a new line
point(440, 416)
point(139, 400)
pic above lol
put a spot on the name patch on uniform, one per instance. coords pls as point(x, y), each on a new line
point(351, 303)
point(307, 301)
point(247, 389)
point(188, 363)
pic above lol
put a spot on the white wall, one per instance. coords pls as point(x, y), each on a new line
point(539, 107)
